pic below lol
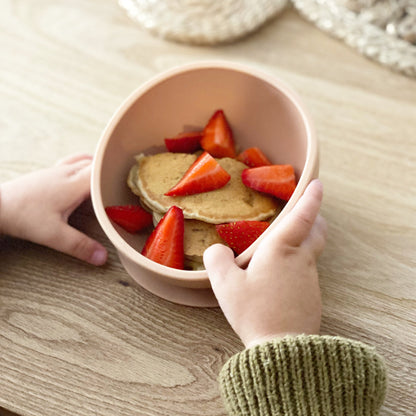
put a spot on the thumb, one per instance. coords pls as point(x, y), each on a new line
point(295, 228)
point(219, 261)
point(80, 246)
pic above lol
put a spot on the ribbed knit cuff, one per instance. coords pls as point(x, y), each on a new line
point(304, 375)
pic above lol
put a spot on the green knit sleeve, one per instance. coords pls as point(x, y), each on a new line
point(306, 375)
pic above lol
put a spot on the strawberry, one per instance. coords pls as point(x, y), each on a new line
point(165, 244)
point(184, 142)
point(218, 138)
point(132, 218)
point(277, 180)
point(204, 175)
point(253, 157)
point(241, 234)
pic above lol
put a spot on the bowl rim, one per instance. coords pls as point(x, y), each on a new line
point(198, 276)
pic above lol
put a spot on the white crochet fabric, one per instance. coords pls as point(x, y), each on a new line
point(209, 22)
point(203, 22)
point(365, 36)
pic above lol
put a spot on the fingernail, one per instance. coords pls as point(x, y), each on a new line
point(99, 257)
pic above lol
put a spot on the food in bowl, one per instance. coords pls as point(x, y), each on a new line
point(153, 176)
point(262, 110)
point(198, 199)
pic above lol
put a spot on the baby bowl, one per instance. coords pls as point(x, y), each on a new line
point(261, 110)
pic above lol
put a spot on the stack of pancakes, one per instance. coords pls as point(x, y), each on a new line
point(154, 175)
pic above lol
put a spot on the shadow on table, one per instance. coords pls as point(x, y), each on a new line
point(4, 412)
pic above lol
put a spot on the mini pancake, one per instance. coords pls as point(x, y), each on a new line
point(198, 237)
point(154, 175)
point(131, 182)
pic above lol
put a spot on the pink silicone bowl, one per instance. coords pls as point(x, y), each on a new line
point(262, 111)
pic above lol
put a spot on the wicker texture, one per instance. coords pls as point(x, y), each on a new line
point(203, 22)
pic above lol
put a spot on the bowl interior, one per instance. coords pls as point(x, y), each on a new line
point(261, 113)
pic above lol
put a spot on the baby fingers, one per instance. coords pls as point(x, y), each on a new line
point(68, 160)
point(317, 237)
point(295, 228)
point(70, 241)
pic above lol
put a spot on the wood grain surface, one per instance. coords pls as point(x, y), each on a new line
point(79, 340)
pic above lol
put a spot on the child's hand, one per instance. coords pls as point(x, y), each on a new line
point(36, 207)
point(278, 294)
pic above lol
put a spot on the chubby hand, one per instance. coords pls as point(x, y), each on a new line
point(36, 207)
point(278, 293)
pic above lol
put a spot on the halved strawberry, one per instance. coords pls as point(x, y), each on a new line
point(277, 180)
point(241, 234)
point(188, 142)
point(253, 157)
point(204, 175)
point(218, 138)
point(165, 244)
point(132, 218)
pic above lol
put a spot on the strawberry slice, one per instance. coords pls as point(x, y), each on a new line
point(241, 234)
point(253, 157)
point(132, 218)
point(188, 142)
point(204, 175)
point(218, 138)
point(277, 180)
point(165, 244)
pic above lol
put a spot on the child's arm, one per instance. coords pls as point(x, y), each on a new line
point(36, 207)
point(275, 307)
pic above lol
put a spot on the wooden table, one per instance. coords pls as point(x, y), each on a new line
point(80, 340)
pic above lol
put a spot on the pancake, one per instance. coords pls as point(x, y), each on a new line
point(154, 175)
point(131, 182)
point(132, 178)
point(198, 236)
